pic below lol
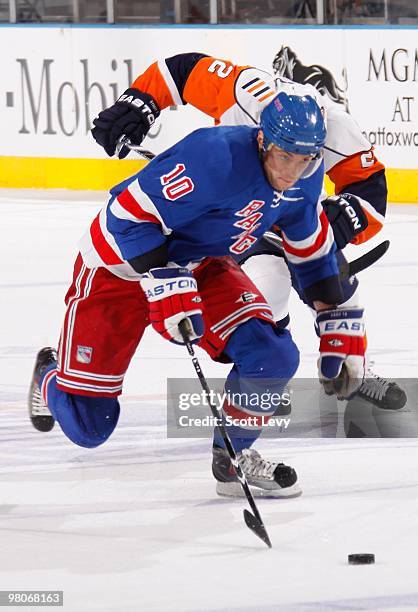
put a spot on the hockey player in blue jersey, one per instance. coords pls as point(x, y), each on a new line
point(158, 253)
point(236, 95)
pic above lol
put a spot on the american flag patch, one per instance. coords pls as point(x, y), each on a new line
point(278, 105)
point(84, 354)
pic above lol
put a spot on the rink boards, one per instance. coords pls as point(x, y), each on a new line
point(57, 78)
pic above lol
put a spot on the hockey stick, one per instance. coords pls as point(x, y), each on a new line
point(124, 141)
point(253, 521)
point(347, 268)
point(350, 268)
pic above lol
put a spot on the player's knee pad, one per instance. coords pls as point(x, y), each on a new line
point(271, 276)
point(261, 350)
point(86, 421)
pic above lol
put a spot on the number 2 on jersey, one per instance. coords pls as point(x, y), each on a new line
point(220, 68)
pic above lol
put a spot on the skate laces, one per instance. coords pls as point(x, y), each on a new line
point(37, 406)
point(374, 386)
point(254, 465)
point(46, 357)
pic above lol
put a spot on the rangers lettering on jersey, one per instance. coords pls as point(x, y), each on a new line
point(249, 223)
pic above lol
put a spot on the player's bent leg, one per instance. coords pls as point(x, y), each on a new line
point(270, 274)
point(265, 359)
point(383, 393)
point(240, 328)
point(103, 324)
point(86, 421)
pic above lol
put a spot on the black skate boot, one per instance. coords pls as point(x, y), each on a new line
point(284, 408)
point(39, 414)
point(265, 478)
point(381, 392)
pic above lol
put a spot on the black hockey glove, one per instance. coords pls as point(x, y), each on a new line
point(346, 217)
point(132, 115)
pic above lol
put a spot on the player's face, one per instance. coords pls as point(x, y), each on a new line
point(283, 169)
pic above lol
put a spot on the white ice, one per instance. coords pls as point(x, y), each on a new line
point(135, 524)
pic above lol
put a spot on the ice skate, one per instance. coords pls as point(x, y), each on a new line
point(284, 408)
point(266, 478)
point(382, 392)
point(39, 413)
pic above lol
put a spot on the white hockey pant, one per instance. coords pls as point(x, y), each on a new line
point(271, 276)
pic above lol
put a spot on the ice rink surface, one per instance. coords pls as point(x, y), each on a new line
point(135, 525)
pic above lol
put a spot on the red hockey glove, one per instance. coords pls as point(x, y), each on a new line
point(173, 296)
point(341, 363)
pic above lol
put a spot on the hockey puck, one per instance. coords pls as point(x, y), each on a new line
point(361, 559)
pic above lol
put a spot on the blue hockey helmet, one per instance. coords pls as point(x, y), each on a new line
point(293, 123)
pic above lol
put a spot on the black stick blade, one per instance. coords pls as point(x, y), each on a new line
point(368, 259)
point(257, 527)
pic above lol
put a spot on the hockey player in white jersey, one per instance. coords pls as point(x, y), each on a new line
point(236, 95)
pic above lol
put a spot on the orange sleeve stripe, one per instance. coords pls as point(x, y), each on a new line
point(353, 169)
point(267, 95)
point(256, 86)
point(371, 230)
point(154, 84)
point(209, 92)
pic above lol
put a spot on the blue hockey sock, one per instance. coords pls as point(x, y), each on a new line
point(265, 359)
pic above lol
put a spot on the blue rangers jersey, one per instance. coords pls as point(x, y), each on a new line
point(208, 196)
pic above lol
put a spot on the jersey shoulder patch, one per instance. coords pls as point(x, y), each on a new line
point(254, 89)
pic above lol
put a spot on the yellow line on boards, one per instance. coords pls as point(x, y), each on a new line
point(402, 185)
point(59, 173)
point(101, 174)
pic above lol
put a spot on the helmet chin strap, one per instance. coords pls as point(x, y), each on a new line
point(267, 145)
point(262, 149)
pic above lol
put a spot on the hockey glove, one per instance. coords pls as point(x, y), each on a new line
point(173, 296)
point(346, 217)
point(341, 363)
point(132, 115)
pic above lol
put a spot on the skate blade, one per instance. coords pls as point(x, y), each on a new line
point(234, 489)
